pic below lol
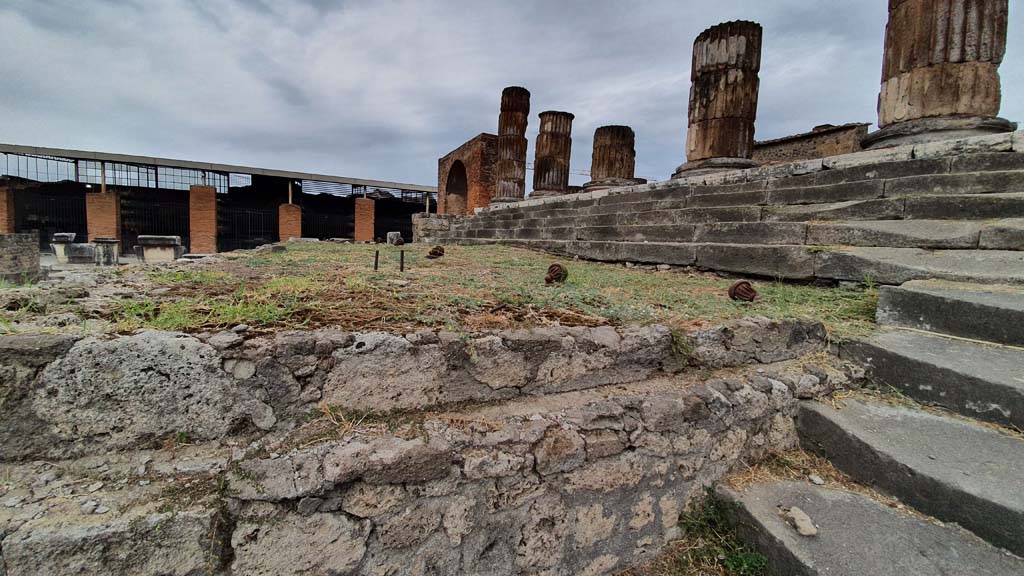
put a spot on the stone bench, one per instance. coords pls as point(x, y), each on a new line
point(153, 249)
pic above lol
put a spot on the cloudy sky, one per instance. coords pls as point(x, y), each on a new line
point(382, 88)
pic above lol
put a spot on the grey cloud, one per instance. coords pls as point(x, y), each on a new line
point(382, 88)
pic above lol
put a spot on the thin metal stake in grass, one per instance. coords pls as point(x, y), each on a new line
point(376, 259)
point(401, 260)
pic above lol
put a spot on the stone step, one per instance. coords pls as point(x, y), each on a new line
point(899, 265)
point(952, 469)
point(980, 381)
point(975, 311)
point(857, 536)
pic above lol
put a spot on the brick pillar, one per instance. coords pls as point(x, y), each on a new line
point(202, 219)
point(940, 71)
point(7, 222)
point(723, 98)
point(289, 222)
point(103, 214)
point(365, 214)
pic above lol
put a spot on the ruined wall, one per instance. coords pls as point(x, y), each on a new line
point(480, 157)
point(545, 482)
point(19, 257)
point(822, 142)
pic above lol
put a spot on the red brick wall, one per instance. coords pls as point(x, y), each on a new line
point(365, 214)
point(103, 214)
point(289, 222)
point(6, 211)
point(480, 156)
point(202, 208)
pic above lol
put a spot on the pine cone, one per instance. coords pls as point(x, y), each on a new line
point(743, 291)
point(435, 252)
point(556, 273)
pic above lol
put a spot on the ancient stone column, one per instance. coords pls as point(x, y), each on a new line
point(551, 163)
point(940, 71)
point(511, 166)
point(614, 159)
point(723, 98)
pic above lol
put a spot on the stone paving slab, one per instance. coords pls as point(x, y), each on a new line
point(942, 234)
point(952, 469)
point(858, 536)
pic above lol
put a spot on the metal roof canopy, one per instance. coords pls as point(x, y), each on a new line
point(147, 160)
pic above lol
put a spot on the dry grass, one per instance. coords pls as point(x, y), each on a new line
point(472, 288)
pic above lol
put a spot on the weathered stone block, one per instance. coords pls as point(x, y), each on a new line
point(973, 145)
point(751, 233)
point(1003, 235)
point(993, 162)
point(755, 197)
point(863, 190)
point(941, 184)
point(294, 544)
point(794, 262)
point(882, 209)
point(895, 154)
point(978, 207)
point(897, 234)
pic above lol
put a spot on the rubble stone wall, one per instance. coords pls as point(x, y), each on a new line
point(64, 397)
point(19, 257)
point(589, 481)
point(820, 143)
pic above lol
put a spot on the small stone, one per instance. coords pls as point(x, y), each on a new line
point(664, 267)
point(143, 482)
point(224, 340)
point(89, 507)
point(816, 480)
point(799, 519)
point(240, 329)
point(45, 478)
point(94, 487)
point(101, 510)
point(307, 506)
point(14, 502)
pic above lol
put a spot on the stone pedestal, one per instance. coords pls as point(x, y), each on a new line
point(723, 98)
point(60, 243)
point(554, 147)
point(614, 159)
point(511, 165)
point(940, 71)
point(107, 251)
point(152, 249)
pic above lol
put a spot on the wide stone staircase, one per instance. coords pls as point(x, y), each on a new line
point(954, 459)
point(949, 210)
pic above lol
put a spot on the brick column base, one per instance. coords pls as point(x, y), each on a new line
point(289, 222)
point(365, 213)
point(102, 215)
point(7, 221)
point(202, 219)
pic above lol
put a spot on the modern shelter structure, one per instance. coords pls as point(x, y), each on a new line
point(212, 207)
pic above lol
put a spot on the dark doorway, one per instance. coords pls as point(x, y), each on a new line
point(51, 207)
point(456, 190)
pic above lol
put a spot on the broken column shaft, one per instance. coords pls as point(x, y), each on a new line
point(511, 165)
point(723, 98)
point(940, 71)
point(554, 146)
point(614, 160)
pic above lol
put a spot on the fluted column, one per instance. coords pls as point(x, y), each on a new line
point(614, 159)
point(940, 71)
point(554, 146)
point(511, 166)
point(723, 98)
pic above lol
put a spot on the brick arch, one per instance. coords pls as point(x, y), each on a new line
point(476, 160)
point(456, 189)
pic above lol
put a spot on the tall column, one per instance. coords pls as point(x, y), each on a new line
point(7, 221)
point(511, 166)
point(614, 160)
point(940, 71)
point(103, 214)
point(554, 146)
point(202, 219)
point(723, 98)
